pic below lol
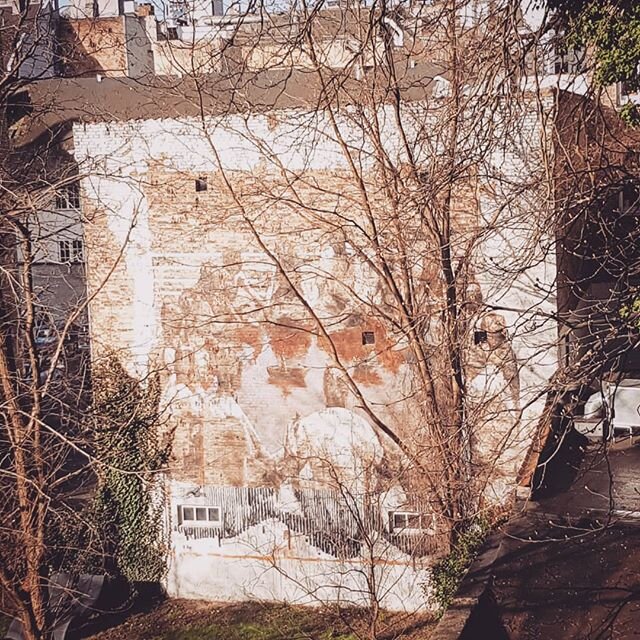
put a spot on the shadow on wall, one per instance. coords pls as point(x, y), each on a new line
point(560, 460)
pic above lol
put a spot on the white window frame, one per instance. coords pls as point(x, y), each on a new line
point(408, 527)
point(68, 197)
point(625, 204)
point(624, 97)
point(193, 521)
point(570, 63)
point(70, 250)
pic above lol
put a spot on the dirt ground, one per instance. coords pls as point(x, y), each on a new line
point(198, 620)
point(584, 586)
point(569, 568)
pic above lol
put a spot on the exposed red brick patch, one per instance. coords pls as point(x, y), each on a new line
point(249, 334)
point(348, 344)
point(288, 341)
point(287, 378)
point(367, 375)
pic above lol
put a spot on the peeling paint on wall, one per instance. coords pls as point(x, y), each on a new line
point(267, 427)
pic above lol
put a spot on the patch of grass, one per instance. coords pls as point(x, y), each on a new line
point(199, 620)
point(250, 631)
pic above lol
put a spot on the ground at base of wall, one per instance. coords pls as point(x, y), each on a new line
point(197, 620)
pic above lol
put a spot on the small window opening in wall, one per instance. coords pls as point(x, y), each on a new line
point(479, 337)
point(68, 196)
point(70, 250)
point(201, 184)
point(368, 337)
point(199, 515)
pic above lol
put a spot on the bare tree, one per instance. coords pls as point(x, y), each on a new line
point(423, 117)
point(355, 207)
point(58, 474)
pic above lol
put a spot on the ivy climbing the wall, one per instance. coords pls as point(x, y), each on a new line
point(127, 435)
point(448, 573)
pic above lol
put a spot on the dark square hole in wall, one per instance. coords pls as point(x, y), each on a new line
point(201, 184)
point(368, 337)
point(479, 337)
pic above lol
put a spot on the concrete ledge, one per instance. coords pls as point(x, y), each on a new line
point(452, 623)
point(472, 589)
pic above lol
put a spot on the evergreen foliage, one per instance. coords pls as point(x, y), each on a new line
point(448, 573)
point(126, 424)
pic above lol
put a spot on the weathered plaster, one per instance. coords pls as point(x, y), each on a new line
point(249, 380)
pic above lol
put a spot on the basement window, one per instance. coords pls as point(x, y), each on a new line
point(368, 337)
point(201, 184)
point(400, 521)
point(197, 516)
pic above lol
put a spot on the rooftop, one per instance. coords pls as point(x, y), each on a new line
point(49, 104)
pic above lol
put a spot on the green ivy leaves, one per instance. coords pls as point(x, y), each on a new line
point(448, 573)
point(126, 431)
